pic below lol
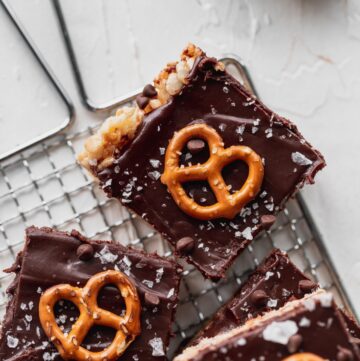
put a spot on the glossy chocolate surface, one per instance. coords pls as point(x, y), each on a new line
point(319, 325)
point(50, 258)
point(279, 278)
point(218, 100)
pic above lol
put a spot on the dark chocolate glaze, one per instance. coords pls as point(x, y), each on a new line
point(322, 329)
point(279, 278)
point(50, 258)
point(218, 100)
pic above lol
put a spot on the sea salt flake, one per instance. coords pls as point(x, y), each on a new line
point(12, 342)
point(157, 346)
point(326, 299)
point(247, 234)
point(155, 175)
point(148, 283)
point(171, 293)
point(309, 304)
point(154, 163)
point(272, 303)
point(106, 256)
point(280, 332)
point(241, 341)
point(300, 159)
point(304, 322)
point(240, 129)
point(162, 150)
point(159, 274)
point(268, 275)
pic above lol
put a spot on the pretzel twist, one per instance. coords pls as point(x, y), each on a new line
point(304, 356)
point(127, 326)
point(228, 205)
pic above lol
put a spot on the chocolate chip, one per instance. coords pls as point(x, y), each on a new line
point(151, 299)
point(267, 220)
point(185, 245)
point(85, 252)
point(142, 101)
point(307, 286)
point(259, 298)
point(149, 91)
point(195, 146)
point(294, 343)
point(344, 354)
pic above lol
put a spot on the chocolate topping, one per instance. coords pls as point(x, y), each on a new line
point(215, 98)
point(149, 91)
point(259, 298)
point(316, 324)
point(142, 101)
point(279, 278)
point(294, 343)
point(307, 286)
point(267, 220)
point(85, 252)
point(195, 146)
point(151, 299)
point(50, 258)
point(344, 354)
point(185, 245)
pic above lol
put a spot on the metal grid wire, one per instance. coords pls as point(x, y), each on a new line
point(45, 186)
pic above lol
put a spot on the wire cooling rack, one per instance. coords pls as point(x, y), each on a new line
point(45, 186)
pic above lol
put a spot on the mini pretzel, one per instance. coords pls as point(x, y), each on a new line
point(228, 205)
point(305, 356)
point(127, 326)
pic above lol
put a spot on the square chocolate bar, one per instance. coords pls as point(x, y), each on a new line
point(202, 160)
point(72, 297)
point(310, 329)
point(275, 282)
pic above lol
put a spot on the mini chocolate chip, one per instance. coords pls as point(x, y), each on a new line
point(85, 252)
point(259, 298)
point(151, 299)
point(267, 220)
point(344, 354)
point(307, 286)
point(142, 101)
point(195, 146)
point(185, 245)
point(149, 91)
point(294, 343)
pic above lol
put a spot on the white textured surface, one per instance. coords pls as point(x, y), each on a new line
point(303, 56)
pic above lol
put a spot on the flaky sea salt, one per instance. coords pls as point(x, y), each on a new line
point(304, 322)
point(247, 234)
point(159, 274)
point(240, 129)
point(171, 293)
point(155, 175)
point(155, 163)
point(148, 283)
point(280, 332)
point(12, 342)
point(157, 346)
point(300, 159)
point(272, 303)
point(106, 256)
point(326, 299)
